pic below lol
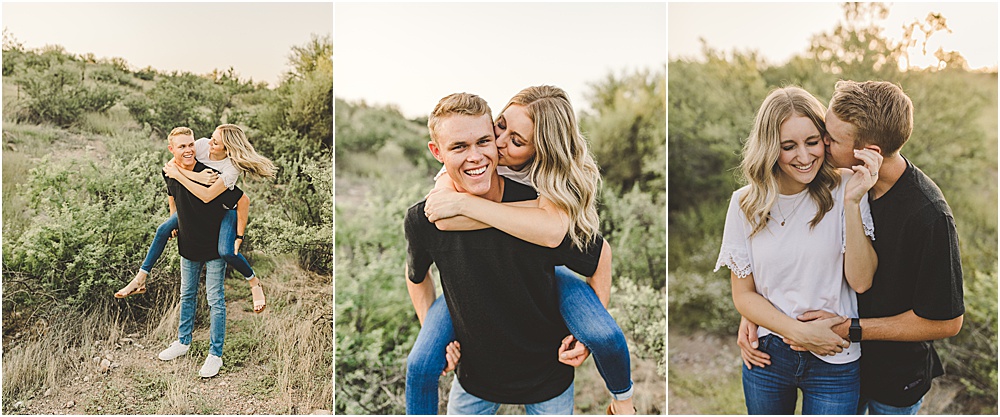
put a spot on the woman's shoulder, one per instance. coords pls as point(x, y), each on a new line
point(740, 192)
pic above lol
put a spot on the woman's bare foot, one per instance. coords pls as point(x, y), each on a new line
point(257, 292)
point(136, 286)
point(621, 407)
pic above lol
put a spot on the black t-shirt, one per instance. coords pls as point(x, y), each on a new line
point(919, 269)
point(198, 222)
point(501, 292)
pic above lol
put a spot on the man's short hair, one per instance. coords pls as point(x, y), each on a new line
point(880, 111)
point(179, 131)
point(458, 103)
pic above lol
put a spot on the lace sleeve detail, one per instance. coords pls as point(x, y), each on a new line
point(737, 260)
point(866, 219)
point(866, 223)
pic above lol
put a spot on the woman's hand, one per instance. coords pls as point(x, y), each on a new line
point(865, 176)
point(746, 339)
point(818, 337)
point(572, 352)
point(453, 352)
point(236, 246)
point(171, 170)
point(443, 203)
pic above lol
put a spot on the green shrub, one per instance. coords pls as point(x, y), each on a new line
point(92, 226)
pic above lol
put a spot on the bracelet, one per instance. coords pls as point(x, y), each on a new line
point(240, 237)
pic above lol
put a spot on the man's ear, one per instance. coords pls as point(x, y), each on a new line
point(435, 151)
point(875, 148)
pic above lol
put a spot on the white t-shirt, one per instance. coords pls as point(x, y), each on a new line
point(794, 267)
point(230, 173)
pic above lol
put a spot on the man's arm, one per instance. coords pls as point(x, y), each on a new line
point(173, 209)
point(421, 295)
point(903, 327)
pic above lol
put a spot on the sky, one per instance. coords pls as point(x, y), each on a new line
point(412, 54)
point(780, 30)
point(253, 38)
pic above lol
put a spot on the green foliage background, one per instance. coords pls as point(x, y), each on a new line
point(76, 228)
point(954, 141)
point(375, 322)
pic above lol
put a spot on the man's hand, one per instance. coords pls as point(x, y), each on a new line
point(443, 203)
point(572, 352)
point(747, 341)
point(453, 352)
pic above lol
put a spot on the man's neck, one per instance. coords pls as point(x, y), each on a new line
point(495, 193)
point(187, 167)
point(892, 168)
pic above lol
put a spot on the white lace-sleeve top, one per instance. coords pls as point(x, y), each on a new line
point(795, 267)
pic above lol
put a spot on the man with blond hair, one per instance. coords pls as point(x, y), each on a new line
point(916, 295)
point(198, 226)
point(499, 289)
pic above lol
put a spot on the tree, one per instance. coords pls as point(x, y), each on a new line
point(627, 127)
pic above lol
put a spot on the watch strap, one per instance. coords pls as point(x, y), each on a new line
point(854, 333)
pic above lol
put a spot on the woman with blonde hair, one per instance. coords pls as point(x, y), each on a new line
point(539, 145)
point(229, 153)
point(797, 239)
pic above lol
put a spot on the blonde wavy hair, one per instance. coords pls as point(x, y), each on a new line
point(563, 169)
point(242, 154)
point(761, 150)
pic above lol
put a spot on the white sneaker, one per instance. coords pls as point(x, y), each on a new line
point(211, 366)
point(173, 351)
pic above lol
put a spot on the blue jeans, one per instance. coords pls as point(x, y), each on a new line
point(866, 406)
point(227, 237)
point(159, 242)
point(215, 272)
point(427, 359)
point(826, 388)
point(585, 317)
point(461, 402)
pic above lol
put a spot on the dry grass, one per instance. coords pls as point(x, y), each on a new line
point(276, 362)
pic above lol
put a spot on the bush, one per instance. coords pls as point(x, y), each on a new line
point(93, 226)
point(59, 95)
point(635, 226)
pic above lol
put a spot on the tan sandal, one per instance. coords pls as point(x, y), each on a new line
point(611, 410)
point(137, 288)
point(259, 302)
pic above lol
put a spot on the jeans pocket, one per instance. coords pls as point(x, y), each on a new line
point(764, 342)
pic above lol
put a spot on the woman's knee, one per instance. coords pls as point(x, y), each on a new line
point(164, 229)
point(609, 338)
point(421, 364)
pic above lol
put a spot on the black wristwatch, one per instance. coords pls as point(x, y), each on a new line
point(854, 333)
point(240, 237)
